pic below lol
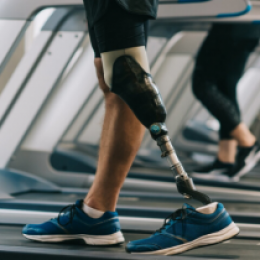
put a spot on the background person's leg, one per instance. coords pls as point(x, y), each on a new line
point(218, 104)
point(219, 67)
point(206, 79)
point(234, 59)
point(227, 151)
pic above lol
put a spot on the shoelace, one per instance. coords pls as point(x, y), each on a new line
point(70, 208)
point(175, 216)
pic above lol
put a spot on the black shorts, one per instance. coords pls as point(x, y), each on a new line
point(118, 29)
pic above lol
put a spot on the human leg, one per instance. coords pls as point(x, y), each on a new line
point(119, 144)
point(233, 67)
point(206, 87)
point(126, 71)
point(126, 74)
point(135, 86)
point(219, 67)
point(227, 151)
point(118, 147)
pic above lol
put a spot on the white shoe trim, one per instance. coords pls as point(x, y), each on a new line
point(116, 238)
point(214, 238)
point(213, 175)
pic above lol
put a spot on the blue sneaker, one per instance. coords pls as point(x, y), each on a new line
point(73, 224)
point(187, 229)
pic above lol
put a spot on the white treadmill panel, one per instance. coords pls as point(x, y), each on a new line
point(9, 31)
point(21, 72)
point(36, 92)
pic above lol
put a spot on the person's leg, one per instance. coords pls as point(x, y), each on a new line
point(119, 143)
point(218, 93)
point(207, 88)
point(126, 71)
point(216, 102)
point(118, 147)
point(233, 65)
point(227, 151)
point(248, 149)
point(127, 74)
point(121, 137)
point(243, 136)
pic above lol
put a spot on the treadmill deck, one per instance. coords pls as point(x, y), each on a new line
point(13, 245)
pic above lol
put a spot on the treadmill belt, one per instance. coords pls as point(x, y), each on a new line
point(14, 246)
point(241, 212)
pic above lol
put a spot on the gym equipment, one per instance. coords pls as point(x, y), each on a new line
point(198, 9)
point(167, 9)
point(19, 247)
point(251, 16)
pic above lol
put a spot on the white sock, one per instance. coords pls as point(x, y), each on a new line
point(208, 209)
point(93, 213)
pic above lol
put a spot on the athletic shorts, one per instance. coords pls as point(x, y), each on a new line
point(118, 29)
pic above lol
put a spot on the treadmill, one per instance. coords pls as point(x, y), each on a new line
point(250, 110)
point(64, 158)
point(12, 245)
point(40, 161)
point(37, 143)
point(10, 228)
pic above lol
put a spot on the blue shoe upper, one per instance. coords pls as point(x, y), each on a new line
point(72, 220)
point(183, 226)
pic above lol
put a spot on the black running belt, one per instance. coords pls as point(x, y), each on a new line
point(13, 246)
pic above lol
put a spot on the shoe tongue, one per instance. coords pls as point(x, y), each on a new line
point(79, 203)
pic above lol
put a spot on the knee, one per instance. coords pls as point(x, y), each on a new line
point(100, 75)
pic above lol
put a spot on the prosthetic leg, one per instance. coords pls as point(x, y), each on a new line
point(135, 86)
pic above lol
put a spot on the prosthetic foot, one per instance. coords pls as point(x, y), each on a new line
point(137, 89)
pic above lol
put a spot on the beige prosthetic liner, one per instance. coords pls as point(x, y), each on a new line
point(109, 58)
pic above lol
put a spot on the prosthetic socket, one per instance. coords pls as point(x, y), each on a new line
point(137, 89)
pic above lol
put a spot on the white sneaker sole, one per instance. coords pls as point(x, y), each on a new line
point(214, 177)
point(116, 238)
point(214, 238)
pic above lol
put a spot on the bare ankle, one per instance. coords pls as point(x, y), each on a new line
point(243, 136)
point(247, 142)
point(227, 151)
point(94, 204)
point(99, 204)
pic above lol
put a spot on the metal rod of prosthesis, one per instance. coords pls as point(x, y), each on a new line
point(168, 151)
point(184, 183)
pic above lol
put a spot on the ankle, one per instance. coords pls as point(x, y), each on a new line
point(91, 212)
point(225, 159)
point(100, 205)
point(243, 136)
point(227, 151)
point(247, 142)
